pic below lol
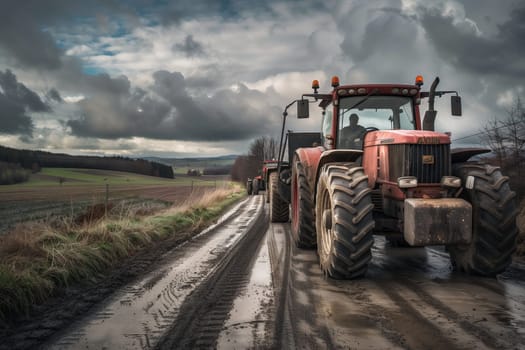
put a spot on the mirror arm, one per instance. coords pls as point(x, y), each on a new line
point(281, 148)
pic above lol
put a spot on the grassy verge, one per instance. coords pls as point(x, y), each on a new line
point(38, 260)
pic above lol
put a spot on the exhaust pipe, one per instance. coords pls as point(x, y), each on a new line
point(430, 115)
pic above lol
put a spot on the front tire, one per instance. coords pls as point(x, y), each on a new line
point(278, 206)
point(494, 229)
point(303, 231)
point(344, 221)
point(255, 187)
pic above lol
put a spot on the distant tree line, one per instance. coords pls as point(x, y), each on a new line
point(12, 173)
point(250, 165)
point(217, 170)
point(34, 160)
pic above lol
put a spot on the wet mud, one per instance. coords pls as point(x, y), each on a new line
point(409, 299)
point(244, 285)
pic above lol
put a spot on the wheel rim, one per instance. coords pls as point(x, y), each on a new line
point(326, 230)
point(295, 204)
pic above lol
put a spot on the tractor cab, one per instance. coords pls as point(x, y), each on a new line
point(352, 111)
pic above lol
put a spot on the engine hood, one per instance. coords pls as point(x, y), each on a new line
point(387, 137)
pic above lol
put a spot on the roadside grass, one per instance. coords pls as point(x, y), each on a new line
point(38, 260)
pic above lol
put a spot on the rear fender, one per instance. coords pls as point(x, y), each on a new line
point(309, 158)
point(460, 155)
point(313, 160)
point(336, 156)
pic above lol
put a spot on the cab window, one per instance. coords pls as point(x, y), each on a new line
point(326, 128)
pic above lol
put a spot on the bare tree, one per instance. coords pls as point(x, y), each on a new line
point(515, 130)
point(263, 148)
point(506, 137)
point(249, 166)
point(495, 139)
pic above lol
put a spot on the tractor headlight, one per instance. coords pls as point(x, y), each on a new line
point(407, 181)
point(450, 182)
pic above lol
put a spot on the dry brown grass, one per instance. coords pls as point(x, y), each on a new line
point(203, 200)
point(38, 259)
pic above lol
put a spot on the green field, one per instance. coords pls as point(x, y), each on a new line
point(76, 177)
point(58, 191)
point(94, 176)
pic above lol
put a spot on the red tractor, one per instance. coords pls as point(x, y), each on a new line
point(257, 185)
point(380, 170)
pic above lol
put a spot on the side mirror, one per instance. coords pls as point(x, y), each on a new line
point(455, 105)
point(303, 109)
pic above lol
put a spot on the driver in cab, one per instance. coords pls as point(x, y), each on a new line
point(352, 135)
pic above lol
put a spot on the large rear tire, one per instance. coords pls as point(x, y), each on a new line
point(494, 229)
point(303, 230)
point(278, 206)
point(344, 221)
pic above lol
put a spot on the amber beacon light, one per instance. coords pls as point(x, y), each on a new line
point(335, 81)
point(419, 80)
point(315, 85)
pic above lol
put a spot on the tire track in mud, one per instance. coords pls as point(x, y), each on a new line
point(482, 326)
point(138, 314)
point(467, 326)
point(425, 320)
point(280, 261)
point(409, 299)
point(416, 325)
point(297, 323)
point(202, 316)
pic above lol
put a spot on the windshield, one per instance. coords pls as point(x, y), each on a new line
point(379, 112)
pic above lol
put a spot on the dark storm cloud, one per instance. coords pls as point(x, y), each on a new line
point(190, 47)
point(23, 28)
point(385, 34)
point(20, 94)
point(54, 95)
point(15, 101)
point(463, 47)
point(167, 111)
point(21, 31)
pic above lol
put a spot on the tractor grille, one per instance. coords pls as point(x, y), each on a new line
point(428, 163)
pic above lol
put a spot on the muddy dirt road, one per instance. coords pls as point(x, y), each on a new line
point(409, 299)
point(242, 284)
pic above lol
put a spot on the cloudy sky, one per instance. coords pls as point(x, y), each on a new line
point(189, 77)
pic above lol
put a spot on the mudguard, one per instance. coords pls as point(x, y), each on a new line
point(460, 155)
point(314, 158)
